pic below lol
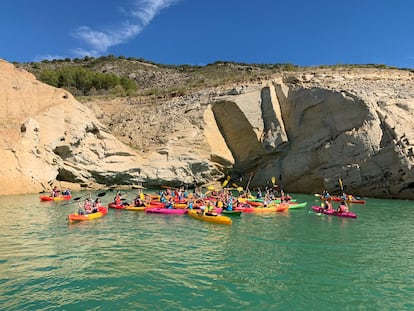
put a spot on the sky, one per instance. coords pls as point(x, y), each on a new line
point(200, 32)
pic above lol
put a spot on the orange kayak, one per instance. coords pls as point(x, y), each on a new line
point(58, 198)
point(102, 211)
point(272, 208)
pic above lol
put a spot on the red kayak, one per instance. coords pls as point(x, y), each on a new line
point(116, 206)
point(348, 200)
point(319, 209)
point(55, 199)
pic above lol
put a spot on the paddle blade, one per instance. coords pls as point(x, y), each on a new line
point(225, 183)
point(340, 184)
point(77, 198)
point(239, 189)
point(273, 180)
point(211, 188)
point(101, 194)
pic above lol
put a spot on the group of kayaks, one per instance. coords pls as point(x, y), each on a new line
point(219, 215)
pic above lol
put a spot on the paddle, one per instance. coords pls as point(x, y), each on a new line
point(224, 184)
point(101, 194)
point(273, 181)
point(248, 182)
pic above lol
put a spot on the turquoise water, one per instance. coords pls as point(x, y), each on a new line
point(297, 260)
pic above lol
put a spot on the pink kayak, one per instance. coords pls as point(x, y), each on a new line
point(319, 209)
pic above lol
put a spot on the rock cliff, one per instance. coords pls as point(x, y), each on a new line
point(306, 128)
point(47, 137)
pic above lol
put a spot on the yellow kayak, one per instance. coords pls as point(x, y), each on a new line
point(102, 211)
point(134, 208)
point(219, 219)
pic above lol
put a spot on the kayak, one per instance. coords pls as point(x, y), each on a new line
point(272, 208)
point(319, 209)
point(259, 202)
point(339, 199)
point(294, 205)
point(58, 198)
point(156, 204)
point(134, 208)
point(219, 219)
point(160, 210)
point(117, 206)
point(231, 213)
point(102, 211)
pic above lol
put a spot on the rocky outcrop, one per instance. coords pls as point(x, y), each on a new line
point(307, 129)
point(322, 127)
point(47, 137)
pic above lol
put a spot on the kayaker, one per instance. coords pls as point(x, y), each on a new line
point(220, 202)
point(96, 205)
point(209, 209)
point(163, 198)
point(329, 206)
point(55, 192)
point(343, 207)
point(190, 203)
point(170, 203)
point(229, 206)
point(139, 199)
point(325, 194)
point(117, 198)
point(87, 207)
point(66, 191)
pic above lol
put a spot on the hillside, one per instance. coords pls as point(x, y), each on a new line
point(165, 81)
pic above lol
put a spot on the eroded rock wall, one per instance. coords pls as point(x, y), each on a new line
point(307, 129)
point(357, 127)
point(47, 137)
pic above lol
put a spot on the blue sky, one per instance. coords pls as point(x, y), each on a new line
point(199, 32)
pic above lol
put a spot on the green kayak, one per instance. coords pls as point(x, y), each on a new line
point(231, 213)
point(294, 205)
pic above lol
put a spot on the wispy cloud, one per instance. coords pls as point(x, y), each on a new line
point(139, 16)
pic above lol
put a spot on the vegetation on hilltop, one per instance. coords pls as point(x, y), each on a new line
point(120, 76)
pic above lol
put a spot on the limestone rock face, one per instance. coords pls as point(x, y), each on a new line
point(307, 129)
point(46, 136)
point(357, 127)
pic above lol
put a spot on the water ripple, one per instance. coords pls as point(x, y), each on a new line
point(137, 261)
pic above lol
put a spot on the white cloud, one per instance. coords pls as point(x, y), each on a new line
point(39, 58)
point(141, 14)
